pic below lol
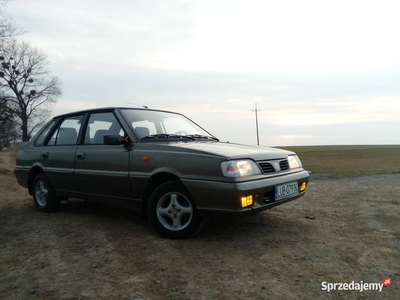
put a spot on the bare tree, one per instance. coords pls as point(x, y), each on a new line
point(26, 84)
point(8, 126)
point(7, 27)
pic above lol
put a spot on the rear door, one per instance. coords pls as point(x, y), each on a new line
point(102, 170)
point(58, 155)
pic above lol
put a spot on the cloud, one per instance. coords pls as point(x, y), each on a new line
point(314, 68)
point(262, 37)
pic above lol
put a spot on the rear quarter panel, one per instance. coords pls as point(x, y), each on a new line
point(27, 157)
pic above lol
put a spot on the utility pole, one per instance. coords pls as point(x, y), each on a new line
point(256, 110)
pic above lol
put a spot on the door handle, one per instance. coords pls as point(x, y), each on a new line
point(81, 155)
point(45, 154)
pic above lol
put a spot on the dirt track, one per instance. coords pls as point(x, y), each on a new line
point(343, 230)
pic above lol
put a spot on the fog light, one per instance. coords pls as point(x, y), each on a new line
point(247, 201)
point(303, 186)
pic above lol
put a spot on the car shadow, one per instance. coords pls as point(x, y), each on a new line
point(271, 224)
point(115, 216)
point(274, 224)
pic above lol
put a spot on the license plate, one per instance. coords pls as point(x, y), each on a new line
point(286, 190)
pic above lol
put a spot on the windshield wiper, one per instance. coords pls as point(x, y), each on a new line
point(200, 136)
point(167, 136)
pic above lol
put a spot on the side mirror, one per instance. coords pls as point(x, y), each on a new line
point(115, 140)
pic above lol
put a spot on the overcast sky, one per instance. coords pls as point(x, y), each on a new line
point(321, 72)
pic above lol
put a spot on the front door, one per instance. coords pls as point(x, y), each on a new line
point(102, 170)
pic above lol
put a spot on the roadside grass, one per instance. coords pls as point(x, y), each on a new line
point(342, 161)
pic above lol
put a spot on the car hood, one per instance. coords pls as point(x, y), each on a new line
point(235, 151)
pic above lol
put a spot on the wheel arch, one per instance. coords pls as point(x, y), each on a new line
point(155, 181)
point(32, 174)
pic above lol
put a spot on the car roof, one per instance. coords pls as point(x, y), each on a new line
point(109, 108)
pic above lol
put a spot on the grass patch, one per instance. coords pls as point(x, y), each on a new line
point(340, 161)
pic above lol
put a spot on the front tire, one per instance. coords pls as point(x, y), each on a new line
point(172, 211)
point(44, 196)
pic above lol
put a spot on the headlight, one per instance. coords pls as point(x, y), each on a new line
point(294, 162)
point(240, 168)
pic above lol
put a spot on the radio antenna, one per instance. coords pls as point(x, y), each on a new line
point(138, 104)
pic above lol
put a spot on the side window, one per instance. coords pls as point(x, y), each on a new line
point(101, 124)
point(42, 136)
point(67, 132)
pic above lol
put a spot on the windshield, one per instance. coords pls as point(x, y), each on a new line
point(149, 124)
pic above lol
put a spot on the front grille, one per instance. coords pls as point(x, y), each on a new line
point(284, 165)
point(273, 166)
point(266, 167)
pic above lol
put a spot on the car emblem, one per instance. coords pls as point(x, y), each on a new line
point(276, 166)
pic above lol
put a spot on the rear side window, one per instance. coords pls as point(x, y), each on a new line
point(101, 124)
point(67, 132)
point(42, 136)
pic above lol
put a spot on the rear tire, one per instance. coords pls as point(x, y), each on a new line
point(44, 196)
point(172, 211)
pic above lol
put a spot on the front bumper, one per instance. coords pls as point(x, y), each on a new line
point(216, 198)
